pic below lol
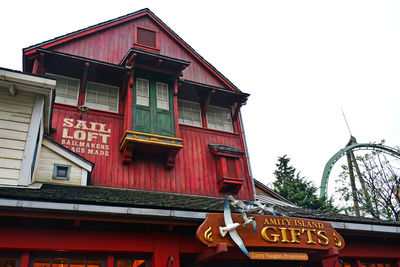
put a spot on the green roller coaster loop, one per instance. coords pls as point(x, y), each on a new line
point(342, 152)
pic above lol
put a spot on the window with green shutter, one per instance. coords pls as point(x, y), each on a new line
point(153, 107)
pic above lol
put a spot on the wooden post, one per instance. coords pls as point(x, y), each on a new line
point(175, 102)
point(81, 97)
point(41, 69)
point(129, 101)
point(110, 260)
point(204, 107)
point(25, 259)
point(35, 68)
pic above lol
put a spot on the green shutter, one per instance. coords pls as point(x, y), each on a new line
point(152, 119)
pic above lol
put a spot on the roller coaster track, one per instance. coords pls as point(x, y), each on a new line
point(343, 151)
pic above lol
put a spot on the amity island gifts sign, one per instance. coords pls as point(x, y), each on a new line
point(273, 232)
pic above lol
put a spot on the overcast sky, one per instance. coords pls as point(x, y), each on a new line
point(300, 61)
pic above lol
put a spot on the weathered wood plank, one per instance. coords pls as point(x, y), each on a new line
point(16, 126)
point(11, 153)
point(10, 163)
point(12, 107)
point(11, 116)
point(12, 144)
point(13, 135)
point(9, 173)
point(4, 180)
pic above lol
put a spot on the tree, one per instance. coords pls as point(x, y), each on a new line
point(376, 188)
point(297, 189)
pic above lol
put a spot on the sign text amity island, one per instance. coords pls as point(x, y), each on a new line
point(280, 232)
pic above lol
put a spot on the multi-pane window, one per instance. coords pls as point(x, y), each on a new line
point(189, 113)
point(66, 89)
point(101, 96)
point(142, 92)
point(162, 96)
point(219, 118)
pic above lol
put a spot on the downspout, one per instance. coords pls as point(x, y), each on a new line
point(247, 155)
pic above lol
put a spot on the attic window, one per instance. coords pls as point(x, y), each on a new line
point(61, 172)
point(146, 37)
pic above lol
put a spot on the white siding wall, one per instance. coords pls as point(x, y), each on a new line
point(44, 172)
point(15, 116)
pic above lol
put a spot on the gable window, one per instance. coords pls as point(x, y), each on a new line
point(66, 89)
point(146, 37)
point(189, 113)
point(101, 96)
point(219, 118)
point(162, 96)
point(142, 92)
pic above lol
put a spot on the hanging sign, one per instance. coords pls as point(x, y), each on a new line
point(270, 231)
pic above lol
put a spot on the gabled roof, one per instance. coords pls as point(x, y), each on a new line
point(68, 154)
point(110, 23)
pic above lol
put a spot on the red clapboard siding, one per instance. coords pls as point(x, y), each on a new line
point(194, 172)
point(112, 44)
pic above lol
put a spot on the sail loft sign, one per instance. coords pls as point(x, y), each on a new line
point(86, 137)
point(277, 232)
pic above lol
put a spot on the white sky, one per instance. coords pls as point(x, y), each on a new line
point(301, 61)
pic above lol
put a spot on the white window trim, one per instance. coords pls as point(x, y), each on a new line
point(103, 84)
point(66, 77)
point(168, 103)
point(148, 92)
point(195, 103)
point(220, 108)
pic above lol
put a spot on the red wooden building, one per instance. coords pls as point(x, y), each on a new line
point(144, 139)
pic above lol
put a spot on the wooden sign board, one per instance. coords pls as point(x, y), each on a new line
point(280, 232)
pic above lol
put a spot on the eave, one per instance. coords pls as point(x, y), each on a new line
point(146, 59)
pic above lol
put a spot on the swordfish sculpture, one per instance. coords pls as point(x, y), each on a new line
point(230, 226)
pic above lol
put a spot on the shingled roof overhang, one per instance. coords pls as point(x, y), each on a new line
point(227, 95)
point(156, 61)
point(111, 23)
point(138, 203)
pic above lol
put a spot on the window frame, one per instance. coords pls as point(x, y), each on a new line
point(54, 76)
point(148, 92)
point(106, 85)
point(136, 43)
point(199, 110)
point(162, 100)
point(57, 177)
point(230, 119)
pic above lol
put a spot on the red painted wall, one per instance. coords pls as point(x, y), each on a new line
point(112, 44)
point(97, 139)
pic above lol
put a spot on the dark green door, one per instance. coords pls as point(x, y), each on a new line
point(153, 107)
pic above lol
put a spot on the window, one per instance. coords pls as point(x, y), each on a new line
point(8, 261)
point(146, 37)
point(102, 97)
point(66, 89)
point(162, 96)
point(133, 262)
point(142, 92)
point(189, 113)
point(61, 172)
point(66, 262)
point(219, 118)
